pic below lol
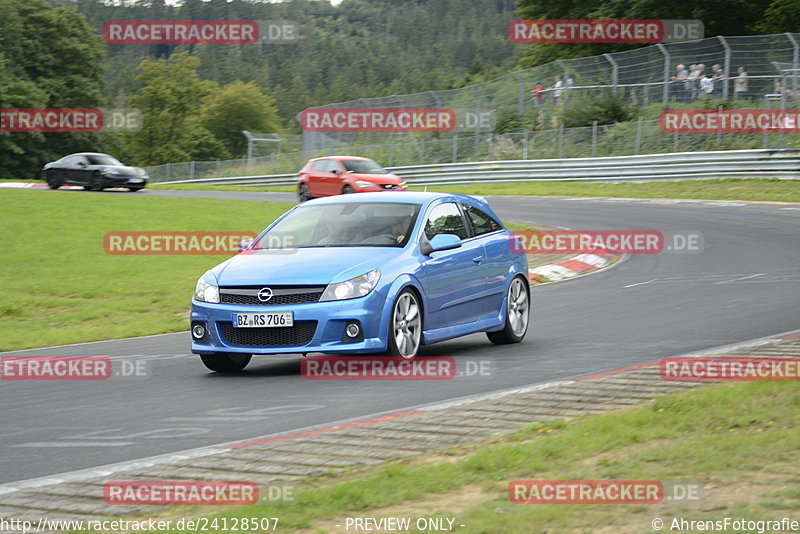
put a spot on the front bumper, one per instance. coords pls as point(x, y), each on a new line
point(124, 181)
point(330, 317)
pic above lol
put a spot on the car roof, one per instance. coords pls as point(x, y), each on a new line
point(87, 154)
point(342, 158)
point(409, 197)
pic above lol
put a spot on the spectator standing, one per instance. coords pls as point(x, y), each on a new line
point(740, 85)
point(679, 83)
point(558, 90)
point(706, 85)
point(692, 83)
point(537, 93)
point(718, 76)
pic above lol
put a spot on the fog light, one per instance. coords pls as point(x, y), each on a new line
point(198, 331)
point(352, 330)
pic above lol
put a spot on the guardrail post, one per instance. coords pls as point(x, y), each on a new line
point(191, 169)
point(525, 144)
point(795, 60)
point(455, 148)
point(594, 138)
point(614, 72)
point(522, 93)
point(639, 127)
point(479, 112)
point(663, 49)
point(726, 80)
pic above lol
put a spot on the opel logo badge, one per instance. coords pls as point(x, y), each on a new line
point(264, 294)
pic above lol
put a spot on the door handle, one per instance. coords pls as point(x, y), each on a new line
point(477, 259)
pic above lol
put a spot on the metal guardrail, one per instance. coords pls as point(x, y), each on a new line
point(765, 163)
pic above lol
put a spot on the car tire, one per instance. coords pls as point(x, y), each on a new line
point(518, 313)
point(226, 362)
point(347, 190)
point(52, 180)
point(405, 326)
point(134, 189)
point(96, 182)
point(302, 193)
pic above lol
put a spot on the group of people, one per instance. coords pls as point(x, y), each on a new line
point(695, 82)
point(556, 92)
point(687, 84)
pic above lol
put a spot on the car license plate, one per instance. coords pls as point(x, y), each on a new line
point(135, 180)
point(263, 320)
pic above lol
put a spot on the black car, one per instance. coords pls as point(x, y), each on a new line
point(94, 172)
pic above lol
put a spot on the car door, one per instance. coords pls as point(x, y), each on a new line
point(315, 186)
point(455, 280)
point(70, 169)
point(81, 171)
point(323, 178)
point(333, 178)
point(491, 234)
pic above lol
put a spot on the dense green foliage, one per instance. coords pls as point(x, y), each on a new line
point(719, 17)
point(49, 58)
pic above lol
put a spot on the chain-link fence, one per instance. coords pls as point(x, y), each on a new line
point(624, 139)
point(642, 76)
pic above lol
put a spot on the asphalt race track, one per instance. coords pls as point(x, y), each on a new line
point(745, 284)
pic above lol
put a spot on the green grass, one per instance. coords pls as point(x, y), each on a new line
point(59, 285)
point(739, 440)
point(200, 187)
point(756, 189)
point(732, 189)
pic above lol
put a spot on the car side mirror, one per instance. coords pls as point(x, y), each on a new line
point(336, 171)
point(244, 244)
point(82, 163)
point(441, 242)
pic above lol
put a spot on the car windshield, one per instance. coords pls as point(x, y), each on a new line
point(363, 167)
point(102, 159)
point(351, 224)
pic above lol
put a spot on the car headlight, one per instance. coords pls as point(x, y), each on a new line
point(142, 173)
point(353, 288)
point(401, 184)
point(361, 183)
point(206, 292)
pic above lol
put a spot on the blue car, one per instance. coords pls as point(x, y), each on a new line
point(371, 273)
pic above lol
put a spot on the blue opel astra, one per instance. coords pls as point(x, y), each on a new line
point(369, 273)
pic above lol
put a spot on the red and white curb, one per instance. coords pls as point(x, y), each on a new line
point(565, 269)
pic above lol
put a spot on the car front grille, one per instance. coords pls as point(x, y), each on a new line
point(280, 295)
point(285, 336)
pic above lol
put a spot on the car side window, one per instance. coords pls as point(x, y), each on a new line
point(482, 223)
point(72, 160)
point(333, 166)
point(319, 165)
point(445, 219)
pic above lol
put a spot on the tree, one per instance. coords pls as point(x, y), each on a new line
point(720, 17)
point(49, 58)
point(235, 107)
point(170, 102)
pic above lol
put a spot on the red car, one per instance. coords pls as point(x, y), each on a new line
point(335, 175)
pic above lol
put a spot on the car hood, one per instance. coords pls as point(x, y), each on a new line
point(303, 266)
point(376, 178)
